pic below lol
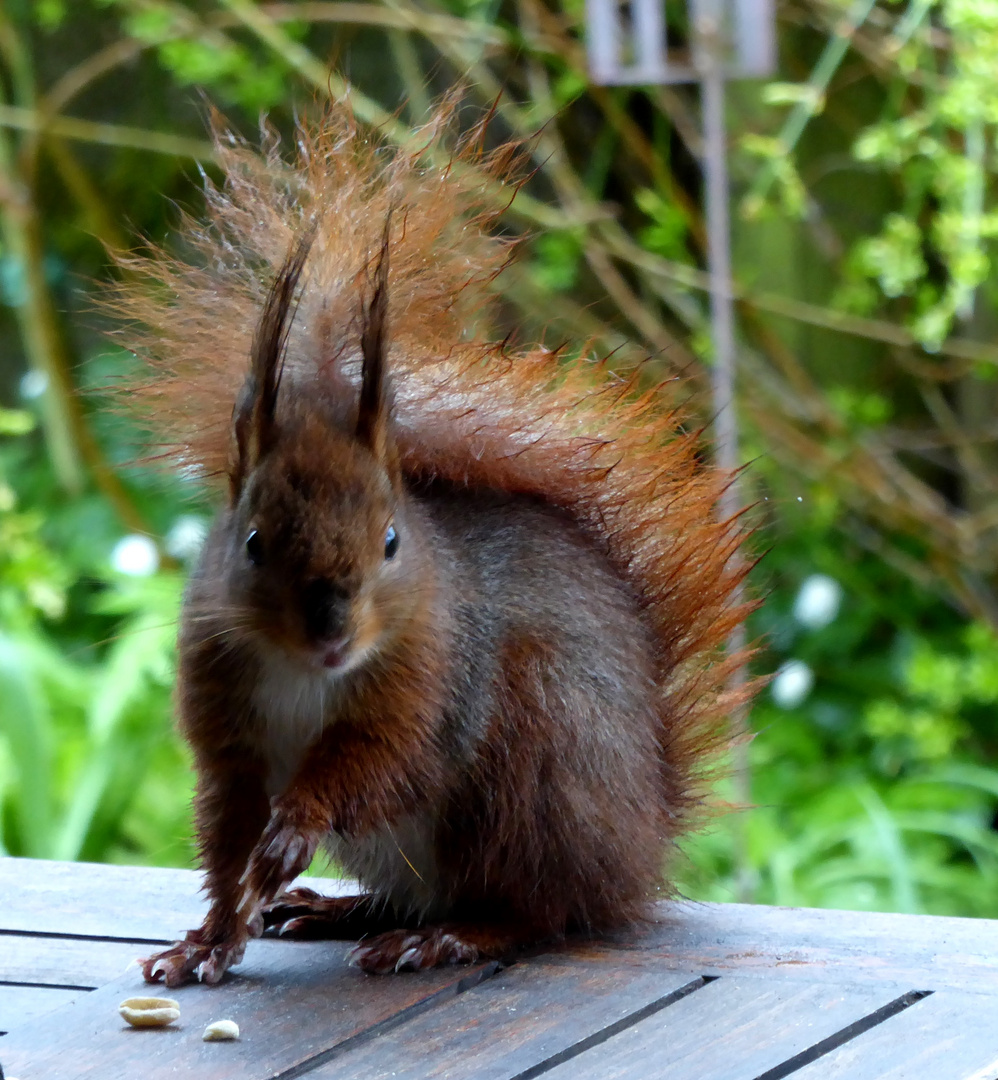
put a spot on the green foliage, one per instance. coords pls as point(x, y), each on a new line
point(89, 766)
point(931, 143)
point(667, 235)
point(772, 156)
point(894, 258)
point(869, 792)
point(234, 72)
point(859, 410)
point(555, 264)
point(50, 13)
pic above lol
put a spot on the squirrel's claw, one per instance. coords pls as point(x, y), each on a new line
point(188, 960)
point(211, 969)
point(406, 950)
point(173, 966)
point(307, 915)
point(300, 901)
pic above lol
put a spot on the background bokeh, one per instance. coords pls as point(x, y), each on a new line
point(864, 214)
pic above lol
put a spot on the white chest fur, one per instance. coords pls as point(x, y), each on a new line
point(294, 704)
point(396, 861)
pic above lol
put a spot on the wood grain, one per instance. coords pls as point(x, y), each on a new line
point(88, 899)
point(65, 962)
point(946, 1036)
point(293, 1002)
point(124, 903)
point(923, 952)
point(19, 1004)
point(524, 1015)
point(733, 1029)
point(919, 951)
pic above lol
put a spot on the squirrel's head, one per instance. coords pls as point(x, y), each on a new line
point(320, 554)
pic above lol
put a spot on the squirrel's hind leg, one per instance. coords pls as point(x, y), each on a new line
point(436, 946)
point(304, 915)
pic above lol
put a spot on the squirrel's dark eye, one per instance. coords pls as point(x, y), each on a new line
point(391, 542)
point(254, 548)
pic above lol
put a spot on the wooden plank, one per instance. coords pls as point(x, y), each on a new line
point(65, 962)
point(293, 1001)
point(732, 1029)
point(946, 1036)
point(526, 1014)
point(88, 899)
point(19, 1004)
point(124, 903)
point(923, 952)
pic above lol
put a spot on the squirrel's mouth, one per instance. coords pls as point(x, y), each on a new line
point(335, 654)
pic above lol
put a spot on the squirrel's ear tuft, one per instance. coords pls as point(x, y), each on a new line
point(375, 398)
point(253, 417)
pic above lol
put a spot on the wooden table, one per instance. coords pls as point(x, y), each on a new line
point(708, 992)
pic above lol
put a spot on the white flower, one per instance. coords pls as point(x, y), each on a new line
point(135, 555)
point(186, 537)
point(818, 601)
point(33, 385)
point(794, 681)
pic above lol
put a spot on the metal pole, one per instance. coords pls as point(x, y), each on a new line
point(719, 259)
point(723, 386)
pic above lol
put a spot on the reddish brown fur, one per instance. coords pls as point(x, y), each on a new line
point(490, 821)
point(587, 470)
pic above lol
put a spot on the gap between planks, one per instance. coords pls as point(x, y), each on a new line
point(847, 1034)
point(45, 986)
point(610, 1030)
point(779, 1072)
point(392, 1022)
point(61, 935)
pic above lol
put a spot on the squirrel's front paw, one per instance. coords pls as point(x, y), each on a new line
point(283, 851)
point(190, 959)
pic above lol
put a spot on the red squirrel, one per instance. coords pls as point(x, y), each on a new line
point(460, 618)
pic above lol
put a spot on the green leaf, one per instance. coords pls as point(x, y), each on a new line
point(25, 723)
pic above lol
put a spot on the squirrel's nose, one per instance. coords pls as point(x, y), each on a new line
point(325, 607)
